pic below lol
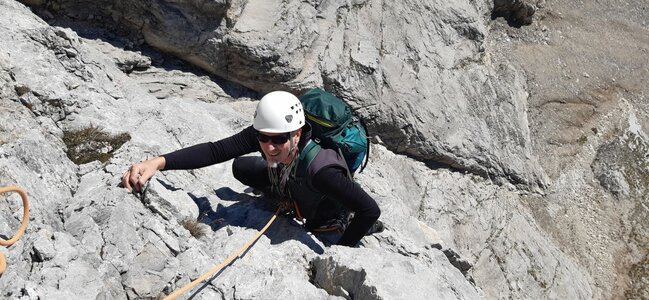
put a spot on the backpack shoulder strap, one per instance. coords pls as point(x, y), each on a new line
point(367, 140)
point(306, 157)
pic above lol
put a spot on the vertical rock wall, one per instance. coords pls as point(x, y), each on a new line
point(419, 73)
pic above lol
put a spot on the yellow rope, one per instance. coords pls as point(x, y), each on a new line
point(224, 263)
point(23, 226)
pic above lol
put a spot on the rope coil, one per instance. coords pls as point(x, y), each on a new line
point(23, 226)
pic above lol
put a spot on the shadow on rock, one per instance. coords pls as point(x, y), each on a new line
point(227, 194)
point(252, 213)
point(517, 13)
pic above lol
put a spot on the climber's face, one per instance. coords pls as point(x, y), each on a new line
point(277, 147)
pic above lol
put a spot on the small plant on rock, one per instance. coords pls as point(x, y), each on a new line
point(194, 228)
point(91, 143)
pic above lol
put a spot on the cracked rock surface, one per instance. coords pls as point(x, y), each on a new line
point(473, 203)
point(419, 73)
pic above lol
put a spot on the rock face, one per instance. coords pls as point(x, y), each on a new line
point(588, 114)
point(88, 238)
point(417, 72)
point(421, 74)
point(355, 274)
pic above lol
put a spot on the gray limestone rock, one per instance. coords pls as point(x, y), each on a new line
point(371, 274)
point(621, 165)
point(419, 73)
point(169, 202)
point(476, 224)
point(436, 97)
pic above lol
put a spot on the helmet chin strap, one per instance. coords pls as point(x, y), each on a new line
point(293, 146)
point(280, 177)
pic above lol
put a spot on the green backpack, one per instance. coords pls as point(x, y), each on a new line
point(335, 126)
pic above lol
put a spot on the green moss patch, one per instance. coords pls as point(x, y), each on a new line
point(91, 143)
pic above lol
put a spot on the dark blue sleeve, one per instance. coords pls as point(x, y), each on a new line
point(335, 184)
point(207, 154)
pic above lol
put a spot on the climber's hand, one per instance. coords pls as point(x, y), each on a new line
point(138, 174)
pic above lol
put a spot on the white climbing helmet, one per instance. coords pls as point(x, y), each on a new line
point(278, 112)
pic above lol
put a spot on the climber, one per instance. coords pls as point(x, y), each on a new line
point(325, 191)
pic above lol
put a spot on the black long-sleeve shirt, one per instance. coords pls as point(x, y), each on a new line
point(330, 181)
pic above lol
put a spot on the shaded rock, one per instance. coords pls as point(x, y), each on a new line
point(454, 258)
point(133, 61)
point(44, 247)
point(517, 12)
